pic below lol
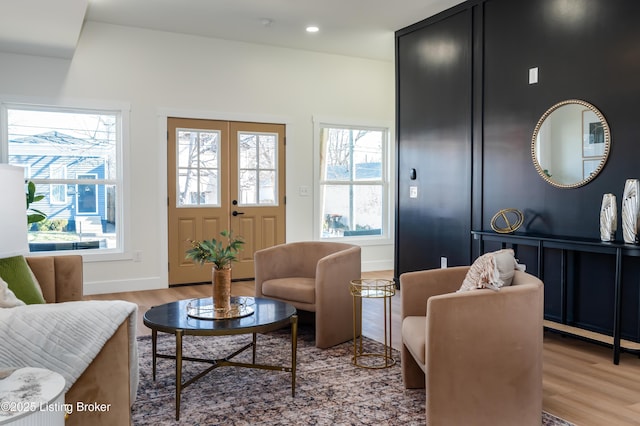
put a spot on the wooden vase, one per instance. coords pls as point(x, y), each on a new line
point(221, 281)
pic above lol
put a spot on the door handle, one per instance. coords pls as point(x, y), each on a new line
point(236, 213)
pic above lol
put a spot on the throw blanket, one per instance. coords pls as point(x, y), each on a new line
point(65, 337)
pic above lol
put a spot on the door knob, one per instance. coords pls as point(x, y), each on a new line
point(236, 213)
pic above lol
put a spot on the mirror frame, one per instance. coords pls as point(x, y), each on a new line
point(605, 155)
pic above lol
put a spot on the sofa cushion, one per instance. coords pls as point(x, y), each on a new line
point(7, 298)
point(414, 337)
point(491, 270)
point(20, 280)
point(296, 289)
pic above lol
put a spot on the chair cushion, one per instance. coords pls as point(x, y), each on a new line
point(491, 270)
point(296, 289)
point(414, 337)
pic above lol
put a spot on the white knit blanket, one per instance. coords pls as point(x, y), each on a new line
point(65, 337)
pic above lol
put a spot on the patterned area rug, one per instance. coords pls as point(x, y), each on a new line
point(329, 389)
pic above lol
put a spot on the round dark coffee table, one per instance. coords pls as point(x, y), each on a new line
point(267, 315)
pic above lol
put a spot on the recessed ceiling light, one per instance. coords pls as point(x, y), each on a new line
point(312, 29)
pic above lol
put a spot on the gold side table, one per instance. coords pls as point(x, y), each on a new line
point(376, 289)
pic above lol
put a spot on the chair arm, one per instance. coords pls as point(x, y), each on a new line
point(334, 274)
point(478, 335)
point(334, 304)
point(417, 287)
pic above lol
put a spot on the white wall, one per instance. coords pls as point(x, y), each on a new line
point(159, 73)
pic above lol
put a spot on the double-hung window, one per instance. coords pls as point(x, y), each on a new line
point(353, 191)
point(73, 156)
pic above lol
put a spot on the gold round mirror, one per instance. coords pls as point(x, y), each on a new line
point(570, 144)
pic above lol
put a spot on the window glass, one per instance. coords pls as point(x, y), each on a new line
point(72, 158)
point(198, 167)
point(353, 187)
point(257, 174)
point(58, 191)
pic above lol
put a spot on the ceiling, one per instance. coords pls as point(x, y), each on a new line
point(362, 28)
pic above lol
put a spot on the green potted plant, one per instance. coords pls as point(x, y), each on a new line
point(33, 215)
point(221, 252)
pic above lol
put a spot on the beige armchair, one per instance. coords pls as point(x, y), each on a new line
point(312, 276)
point(479, 352)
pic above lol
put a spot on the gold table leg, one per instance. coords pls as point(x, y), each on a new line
point(224, 361)
point(154, 345)
point(178, 371)
point(294, 352)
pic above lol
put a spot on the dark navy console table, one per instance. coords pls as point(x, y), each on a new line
point(541, 241)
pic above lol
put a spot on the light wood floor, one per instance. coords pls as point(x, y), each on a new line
point(581, 384)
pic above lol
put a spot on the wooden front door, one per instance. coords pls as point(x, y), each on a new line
point(223, 175)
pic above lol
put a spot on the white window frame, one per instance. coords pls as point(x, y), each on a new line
point(387, 231)
point(122, 110)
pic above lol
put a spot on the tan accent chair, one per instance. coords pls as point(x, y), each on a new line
point(106, 380)
point(313, 276)
point(479, 353)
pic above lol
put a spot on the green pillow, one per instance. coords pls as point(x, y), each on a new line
point(16, 273)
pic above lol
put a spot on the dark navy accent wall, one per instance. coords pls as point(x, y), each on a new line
point(584, 49)
point(434, 134)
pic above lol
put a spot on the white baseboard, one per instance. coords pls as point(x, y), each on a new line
point(119, 286)
point(155, 283)
point(377, 265)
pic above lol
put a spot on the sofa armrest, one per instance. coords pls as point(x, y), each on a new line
point(417, 287)
point(106, 380)
point(60, 277)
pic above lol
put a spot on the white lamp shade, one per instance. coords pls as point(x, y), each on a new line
point(13, 212)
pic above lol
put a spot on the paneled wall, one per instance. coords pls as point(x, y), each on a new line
point(434, 160)
point(584, 49)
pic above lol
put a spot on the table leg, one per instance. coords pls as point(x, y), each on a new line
point(154, 343)
point(617, 307)
point(387, 347)
point(355, 336)
point(294, 352)
point(254, 347)
point(178, 371)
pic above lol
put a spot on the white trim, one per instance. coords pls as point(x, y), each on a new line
point(377, 265)
point(128, 284)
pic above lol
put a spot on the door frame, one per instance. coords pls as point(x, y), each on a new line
point(162, 208)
